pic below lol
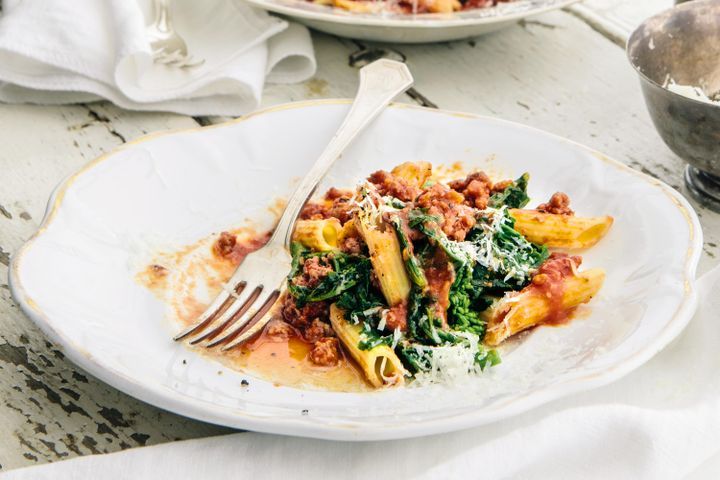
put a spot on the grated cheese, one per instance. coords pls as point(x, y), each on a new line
point(397, 336)
point(383, 319)
point(485, 251)
point(450, 363)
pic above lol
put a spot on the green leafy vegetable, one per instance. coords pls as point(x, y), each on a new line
point(298, 251)
point(503, 251)
point(464, 310)
point(412, 265)
point(419, 358)
point(415, 360)
point(514, 195)
point(421, 318)
point(371, 338)
point(361, 303)
point(347, 271)
point(487, 357)
point(427, 225)
point(418, 217)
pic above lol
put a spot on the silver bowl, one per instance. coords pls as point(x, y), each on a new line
point(683, 44)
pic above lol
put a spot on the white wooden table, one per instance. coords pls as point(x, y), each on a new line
point(564, 72)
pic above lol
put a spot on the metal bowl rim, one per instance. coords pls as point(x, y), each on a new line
point(632, 40)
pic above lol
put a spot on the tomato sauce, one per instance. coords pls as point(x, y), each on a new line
point(549, 282)
point(186, 281)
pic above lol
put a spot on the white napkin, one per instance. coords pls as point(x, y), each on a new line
point(59, 51)
point(660, 422)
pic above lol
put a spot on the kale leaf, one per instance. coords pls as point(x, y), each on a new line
point(420, 325)
point(516, 257)
point(414, 360)
point(412, 265)
point(487, 357)
point(427, 225)
point(418, 217)
point(371, 338)
point(420, 359)
point(514, 195)
point(347, 272)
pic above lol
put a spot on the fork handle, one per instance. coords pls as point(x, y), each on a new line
point(380, 82)
point(162, 15)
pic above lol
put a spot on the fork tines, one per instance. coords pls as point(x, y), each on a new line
point(225, 321)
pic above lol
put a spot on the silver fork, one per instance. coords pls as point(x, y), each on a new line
point(167, 46)
point(238, 313)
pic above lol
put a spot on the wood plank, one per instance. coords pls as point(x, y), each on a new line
point(616, 19)
point(49, 408)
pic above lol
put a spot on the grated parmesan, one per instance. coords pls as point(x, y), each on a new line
point(383, 320)
point(450, 363)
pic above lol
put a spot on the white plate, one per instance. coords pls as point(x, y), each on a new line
point(75, 277)
point(420, 28)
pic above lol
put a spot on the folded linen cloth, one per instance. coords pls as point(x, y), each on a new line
point(660, 422)
point(55, 52)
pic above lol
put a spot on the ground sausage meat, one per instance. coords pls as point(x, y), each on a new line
point(337, 203)
point(315, 269)
point(325, 352)
point(351, 245)
point(279, 329)
point(397, 317)
point(314, 211)
point(501, 186)
point(301, 317)
point(317, 330)
point(476, 188)
point(312, 321)
point(456, 218)
point(389, 184)
point(342, 205)
point(559, 204)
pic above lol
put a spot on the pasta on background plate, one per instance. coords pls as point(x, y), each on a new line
point(409, 6)
point(419, 280)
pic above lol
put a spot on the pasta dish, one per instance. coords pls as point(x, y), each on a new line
point(420, 280)
point(408, 6)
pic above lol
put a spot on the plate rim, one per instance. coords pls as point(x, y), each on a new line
point(166, 398)
point(423, 20)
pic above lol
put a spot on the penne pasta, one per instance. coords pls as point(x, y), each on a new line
point(387, 261)
point(417, 279)
point(320, 235)
point(415, 173)
point(385, 6)
point(380, 364)
point(532, 306)
point(362, 6)
point(443, 6)
point(561, 231)
point(349, 229)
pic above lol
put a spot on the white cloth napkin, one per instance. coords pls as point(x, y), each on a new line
point(660, 422)
point(56, 51)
